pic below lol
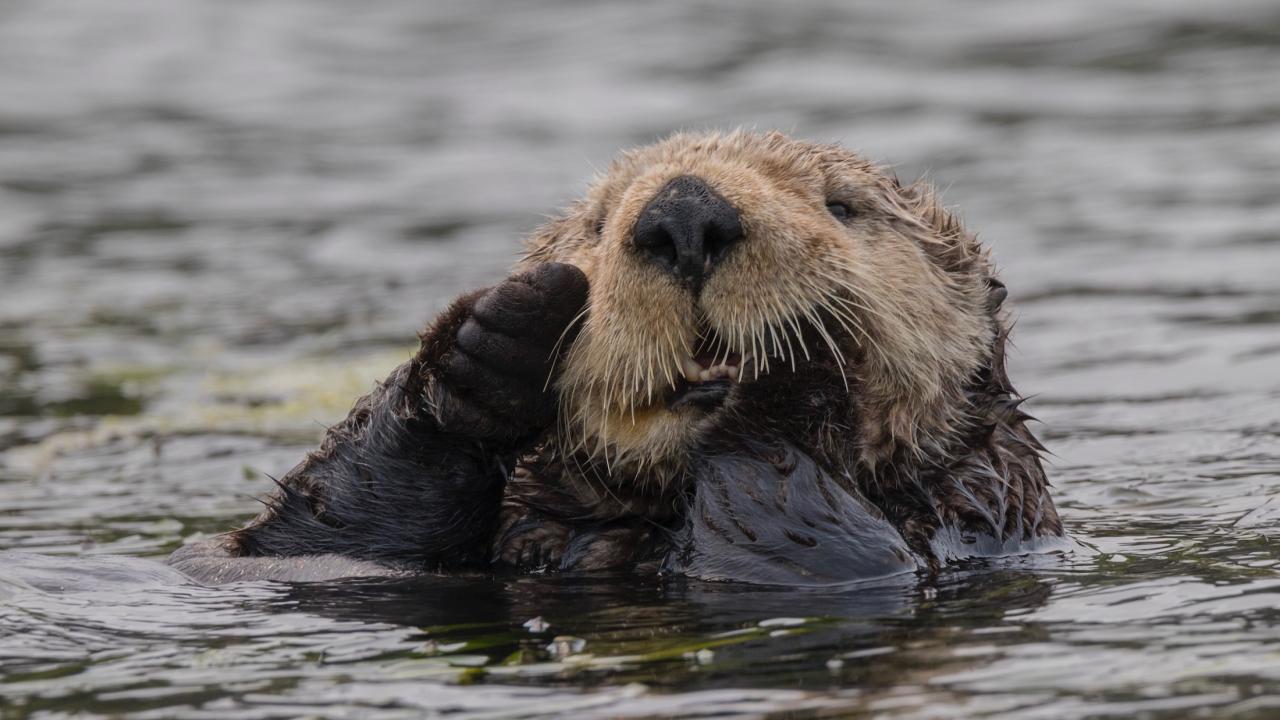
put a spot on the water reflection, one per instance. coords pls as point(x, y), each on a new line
point(689, 636)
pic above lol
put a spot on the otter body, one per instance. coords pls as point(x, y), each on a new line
point(740, 357)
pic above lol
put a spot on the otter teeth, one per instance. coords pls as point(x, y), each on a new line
point(716, 372)
point(691, 369)
point(694, 372)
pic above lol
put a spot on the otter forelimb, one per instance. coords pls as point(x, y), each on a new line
point(412, 479)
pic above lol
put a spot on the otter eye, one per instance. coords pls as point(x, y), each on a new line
point(839, 211)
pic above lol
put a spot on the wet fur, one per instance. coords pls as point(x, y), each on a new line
point(886, 423)
point(389, 484)
point(985, 495)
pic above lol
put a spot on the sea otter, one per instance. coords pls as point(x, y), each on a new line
point(740, 357)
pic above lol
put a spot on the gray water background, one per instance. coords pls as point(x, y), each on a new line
point(222, 220)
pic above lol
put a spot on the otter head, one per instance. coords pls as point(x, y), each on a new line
point(719, 263)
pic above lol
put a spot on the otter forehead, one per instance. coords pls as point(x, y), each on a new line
point(796, 167)
point(717, 258)
point(775, 189)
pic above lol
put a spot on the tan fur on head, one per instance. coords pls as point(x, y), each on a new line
point(898, 293)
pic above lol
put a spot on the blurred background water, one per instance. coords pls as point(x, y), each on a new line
point(221, 221)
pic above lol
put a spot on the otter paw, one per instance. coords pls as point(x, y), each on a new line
point(500, 369)
point(535, 549)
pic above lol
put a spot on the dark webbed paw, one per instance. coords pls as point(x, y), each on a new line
point(530, 546)
point(494, 373)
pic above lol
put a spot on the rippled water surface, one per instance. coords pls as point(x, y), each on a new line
point(221, 221)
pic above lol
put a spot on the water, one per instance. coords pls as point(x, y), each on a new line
point(221, 221)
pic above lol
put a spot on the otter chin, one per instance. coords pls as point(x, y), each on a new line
point(739, 356)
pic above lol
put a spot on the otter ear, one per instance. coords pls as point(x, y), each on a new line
point(561, 239)
point(996, 294)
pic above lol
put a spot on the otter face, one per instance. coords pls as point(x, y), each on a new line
point(720, 261)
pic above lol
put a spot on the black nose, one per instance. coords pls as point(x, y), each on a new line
point(688, 229)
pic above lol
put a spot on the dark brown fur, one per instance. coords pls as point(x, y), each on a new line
point(537, 427)
point(987, 494)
